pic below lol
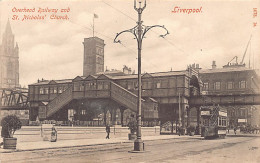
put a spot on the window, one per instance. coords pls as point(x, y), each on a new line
point(217, 85)
point(230, 85)
point(83, 112)
point(242, 84)
point(55, 90)
point(130, 85)
point(222, 121)
point(164, 83)
point(100, 85)
point(158, 84)
point(206, 86)
point(41, 90)
point(51, 90)
point(59, 89)
point(46, 90)
point(90, 86)
point(76, 86)
point(105, 85)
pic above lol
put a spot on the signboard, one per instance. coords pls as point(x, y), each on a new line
point(220, 132)
point(221, 113)
point(242, 120)
point(205, 112)
point(204, 92)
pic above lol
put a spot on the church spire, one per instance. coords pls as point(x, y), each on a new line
point(8, 29)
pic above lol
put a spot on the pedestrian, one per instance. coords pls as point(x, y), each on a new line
point(108, 131)
point(235, 130)
point(53, 134)
point(179, 130)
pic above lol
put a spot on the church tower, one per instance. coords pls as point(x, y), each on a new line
point(9, 60)
point(93, 56)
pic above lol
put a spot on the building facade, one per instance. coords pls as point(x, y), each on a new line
point(99, 98)
point(235, 80)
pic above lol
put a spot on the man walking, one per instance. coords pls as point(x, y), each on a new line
point(108, 131)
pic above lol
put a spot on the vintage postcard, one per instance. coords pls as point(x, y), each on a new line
point(129, 81)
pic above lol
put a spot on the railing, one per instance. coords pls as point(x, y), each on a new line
point(129, 99)
point(58, 102)
point(123, 96)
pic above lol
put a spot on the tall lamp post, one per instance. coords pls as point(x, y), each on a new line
point(139, 32)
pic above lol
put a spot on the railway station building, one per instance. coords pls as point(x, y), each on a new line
point(110, 97)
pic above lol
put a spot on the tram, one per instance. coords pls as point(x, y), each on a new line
point(214, 122)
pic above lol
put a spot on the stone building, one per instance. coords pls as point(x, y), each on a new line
point(236, 80)
point(9, 60)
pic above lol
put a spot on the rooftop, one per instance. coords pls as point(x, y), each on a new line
point(219, 70)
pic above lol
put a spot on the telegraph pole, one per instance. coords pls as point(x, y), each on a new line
point(139, 32)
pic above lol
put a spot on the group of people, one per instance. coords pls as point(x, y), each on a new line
point(246, 129)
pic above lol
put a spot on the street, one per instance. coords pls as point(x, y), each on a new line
point(236, 148)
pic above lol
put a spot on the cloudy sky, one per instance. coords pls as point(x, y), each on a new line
point(53, 49)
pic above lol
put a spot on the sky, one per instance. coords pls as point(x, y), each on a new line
point(53, 49)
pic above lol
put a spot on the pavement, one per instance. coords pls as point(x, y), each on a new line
point(78, 140)
point(41, 145)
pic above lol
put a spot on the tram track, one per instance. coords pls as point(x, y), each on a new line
point(175, 148)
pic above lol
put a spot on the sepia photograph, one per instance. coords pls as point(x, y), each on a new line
point(130, 81)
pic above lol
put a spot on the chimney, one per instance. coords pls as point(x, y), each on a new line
point(214, 65)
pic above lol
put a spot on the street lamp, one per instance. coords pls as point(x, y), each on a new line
point(139, 32)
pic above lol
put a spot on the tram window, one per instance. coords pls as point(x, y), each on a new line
point(224, 122)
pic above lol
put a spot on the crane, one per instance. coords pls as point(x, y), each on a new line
point(241, 64)
point(245, 51)
point(232, 60)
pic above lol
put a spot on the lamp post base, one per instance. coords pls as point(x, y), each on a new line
point(139, 145)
